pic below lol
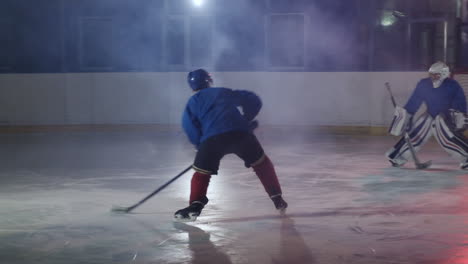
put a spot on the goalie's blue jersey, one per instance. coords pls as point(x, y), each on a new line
point(449, 95)
point(214, 110)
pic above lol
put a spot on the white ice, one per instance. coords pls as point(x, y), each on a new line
point(346, 204)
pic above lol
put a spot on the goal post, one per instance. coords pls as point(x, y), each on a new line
point(462, 78)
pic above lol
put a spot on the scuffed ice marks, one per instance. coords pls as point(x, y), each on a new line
point(77, 244)
point(55, 244)
point(14, 216)
point(393, 184)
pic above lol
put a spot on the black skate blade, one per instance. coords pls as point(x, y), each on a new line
point(185, 219)
point(425, 165)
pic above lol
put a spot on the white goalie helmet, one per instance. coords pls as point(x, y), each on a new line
point(441, 69)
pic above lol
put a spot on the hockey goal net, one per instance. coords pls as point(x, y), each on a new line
point(462, 78)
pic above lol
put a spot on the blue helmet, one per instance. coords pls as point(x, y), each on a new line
point(199, 79)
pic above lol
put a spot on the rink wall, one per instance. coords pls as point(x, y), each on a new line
point(347, 99)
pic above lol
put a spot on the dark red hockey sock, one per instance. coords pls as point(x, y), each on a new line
point(199, 186)
point(267, 175)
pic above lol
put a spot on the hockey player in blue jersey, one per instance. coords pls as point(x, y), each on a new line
point(444, 118)
point(216, 127)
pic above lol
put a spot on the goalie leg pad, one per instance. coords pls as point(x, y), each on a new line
point(421, 133)
point(455, 144)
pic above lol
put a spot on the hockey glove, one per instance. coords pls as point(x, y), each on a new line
point(253, 125)
point(459, 119)
point(400, 122)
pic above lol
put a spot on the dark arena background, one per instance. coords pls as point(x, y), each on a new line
point(92, 94)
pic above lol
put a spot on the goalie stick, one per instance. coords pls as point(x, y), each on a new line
point(120, 209)
point(418, 164)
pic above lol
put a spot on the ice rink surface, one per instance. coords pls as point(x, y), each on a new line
point(346, 205)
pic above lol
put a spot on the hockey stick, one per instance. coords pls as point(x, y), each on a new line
point(120, 209)
point(418, 164)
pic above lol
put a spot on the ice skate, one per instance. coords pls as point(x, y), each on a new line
point(394, 158)
point(189, 213)
point(280, 204)
point(464, 164)
point(397, 163)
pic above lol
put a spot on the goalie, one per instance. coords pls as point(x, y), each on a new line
point(445, 118)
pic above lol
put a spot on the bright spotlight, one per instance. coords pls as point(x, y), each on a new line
point(388, 19)
point(197, 2)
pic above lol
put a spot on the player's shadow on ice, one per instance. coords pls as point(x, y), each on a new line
point(204, 251)
point(292, 250)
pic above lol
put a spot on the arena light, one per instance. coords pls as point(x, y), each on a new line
point(391, 17)
point(387, 19)
point(197, 3)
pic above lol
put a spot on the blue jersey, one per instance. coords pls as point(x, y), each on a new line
point(449, 95)
point(214, 110)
